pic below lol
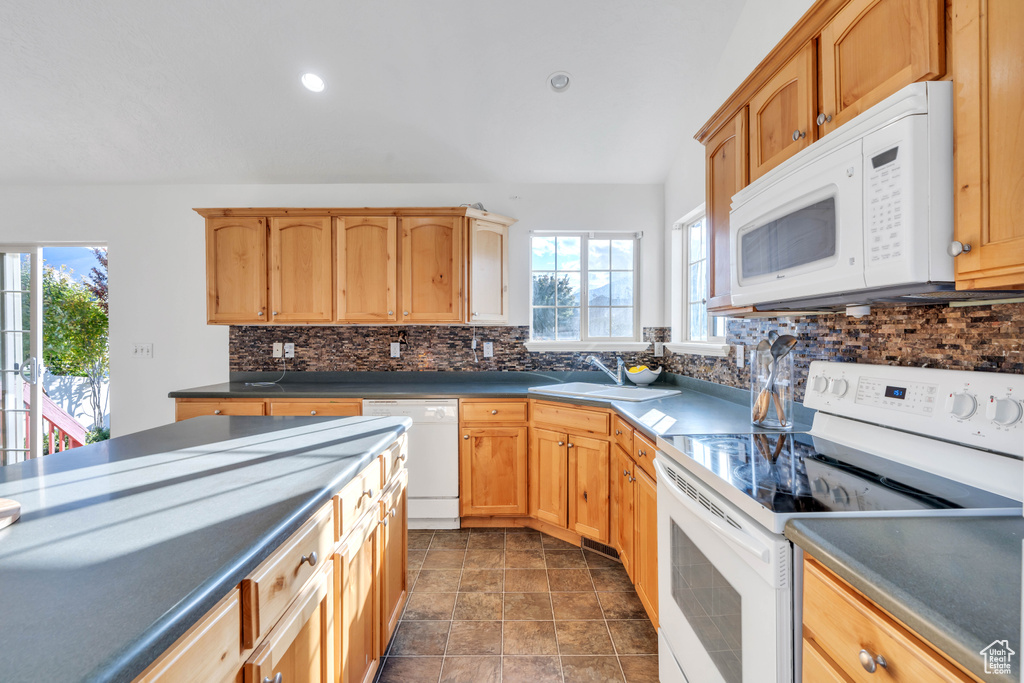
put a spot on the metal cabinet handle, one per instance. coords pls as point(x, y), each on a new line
point(465, 436)
point(259, 313)
point(385, 521)
point(569, 446)
point(275, 312)
point(956, 248)
point(312, 412)
point(368, 493)
point(798, 134)
point(642, 453)
point(617, 432)
point(561, 443)
point(406, 312)
point(216, 412)
point(632, 479)
point(403, 456)
point(475, 315)
point(279, 678)
point(494, 412)
point(391, 312)
point(393, 512)
point(625, 473)
point(823, 119)
point(868, 661)
point(311, 559)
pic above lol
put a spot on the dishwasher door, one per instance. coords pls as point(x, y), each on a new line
point(433, 458)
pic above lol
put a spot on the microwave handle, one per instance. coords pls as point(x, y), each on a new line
point(743, 540)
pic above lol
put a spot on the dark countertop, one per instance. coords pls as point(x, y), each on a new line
point(956, 581)
point(124, 544)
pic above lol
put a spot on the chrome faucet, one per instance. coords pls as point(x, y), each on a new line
point(619, 375)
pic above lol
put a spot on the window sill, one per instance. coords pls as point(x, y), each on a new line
point(699, 348)
point(542, 346)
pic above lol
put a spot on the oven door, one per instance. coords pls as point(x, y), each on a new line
point(725, 587)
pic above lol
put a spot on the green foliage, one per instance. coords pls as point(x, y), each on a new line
point(547, 289)
point(97, 434)
point(75, 342)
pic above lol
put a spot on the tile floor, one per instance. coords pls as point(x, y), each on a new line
point(510, 606)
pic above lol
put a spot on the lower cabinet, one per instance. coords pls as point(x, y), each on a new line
point(360, 602)
point(645, 573)
point(623, 497)
point(394, 579)
point(588, 487)
point(549, 473)
point(493, 471)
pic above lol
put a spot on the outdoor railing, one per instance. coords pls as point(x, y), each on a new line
point(62, 430)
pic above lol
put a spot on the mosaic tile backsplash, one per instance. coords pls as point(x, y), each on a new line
point(986, 338)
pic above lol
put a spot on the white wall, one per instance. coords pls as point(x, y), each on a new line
point(157, 259)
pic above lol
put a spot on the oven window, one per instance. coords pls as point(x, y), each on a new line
point(709, 603)
point(804, 236)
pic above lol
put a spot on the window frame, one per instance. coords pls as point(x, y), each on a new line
point(680, 290)
point(586, 343)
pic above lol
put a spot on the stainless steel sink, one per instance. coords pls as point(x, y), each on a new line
point(603, 392)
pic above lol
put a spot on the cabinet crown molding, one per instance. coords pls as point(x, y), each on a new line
point(418, 211)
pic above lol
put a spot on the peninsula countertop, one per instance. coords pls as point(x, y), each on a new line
point(956, 581)
point(124, 544)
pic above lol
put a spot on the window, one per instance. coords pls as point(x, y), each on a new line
point(693, 330)
point(584, 287)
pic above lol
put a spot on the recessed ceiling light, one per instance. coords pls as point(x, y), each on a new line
point(559, 81)
point(313, 82)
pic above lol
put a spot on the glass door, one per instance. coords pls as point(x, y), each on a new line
point(21, 343)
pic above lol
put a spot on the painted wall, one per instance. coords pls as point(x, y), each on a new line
point(157, 259)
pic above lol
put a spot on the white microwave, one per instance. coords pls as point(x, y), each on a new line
point(863, 215)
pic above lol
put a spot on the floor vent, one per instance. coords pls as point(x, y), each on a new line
point(601, 548)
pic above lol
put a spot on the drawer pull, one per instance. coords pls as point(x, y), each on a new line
point(312, 412)
point(384, 521)
point(368, 493)
point(617, 432)
point(279, 678)
point(216, 412)
point(494, 412)
point(632, 479)
point(402, 457)
point(642, 453)
point(393, 511)
point(868, 661)
point(310, 559)
point(625, 473)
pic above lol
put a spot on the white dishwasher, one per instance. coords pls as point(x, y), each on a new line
point(433, 458)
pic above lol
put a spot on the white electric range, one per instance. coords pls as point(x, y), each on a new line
point(886, 441)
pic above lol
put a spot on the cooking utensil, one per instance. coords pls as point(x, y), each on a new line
point(772, 336)
point(779, 349)
point(778, 446)
point(762, 446)
point(761, 404)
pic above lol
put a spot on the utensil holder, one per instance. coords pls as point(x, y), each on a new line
point(771, 410)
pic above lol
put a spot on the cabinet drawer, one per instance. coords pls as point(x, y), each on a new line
point(623, 433)
point(842, 622)
point(571, 419)
point(644, 452)
point(209, 651)
point(492, 411)
point(393, 460)
point(275, 583)
point(358, 496)
point(324, 408)
point(185, 410)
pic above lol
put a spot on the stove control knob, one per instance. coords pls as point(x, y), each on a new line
point(961, 405)
point(820, 485)
point(819, 383)
point(1003, 411)
point(839, 387)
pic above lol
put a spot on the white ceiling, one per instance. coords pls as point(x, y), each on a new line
point(207, 91)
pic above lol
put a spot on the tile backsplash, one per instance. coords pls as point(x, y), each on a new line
point(986, 338)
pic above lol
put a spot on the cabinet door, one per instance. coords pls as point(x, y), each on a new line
point(488, 273)
point(360, 603)
point(366, 254)
point(394, 578)
point(588, 487)
point(548, 477)
point(726, 157)
point(782, 113)
point(623, 508)
point(646, 530)
point(301, 645)
point(301, 284)
point(493, 463)
point(872, 48)
point(236, 270)
point(432, 269)
point(988, 69)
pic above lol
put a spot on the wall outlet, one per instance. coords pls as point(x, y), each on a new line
point(289, 350)
point(740, 355)
point(659, 349)
point(488, 349)
point(142, 350)
point(396, 350)
point(278, 349)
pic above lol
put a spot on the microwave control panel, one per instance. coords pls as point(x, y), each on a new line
point(886, 238)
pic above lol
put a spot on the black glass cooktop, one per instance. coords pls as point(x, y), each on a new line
point(800, 473)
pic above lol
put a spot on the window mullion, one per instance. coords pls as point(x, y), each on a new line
point(584, 289)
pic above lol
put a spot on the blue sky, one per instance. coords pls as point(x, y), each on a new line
point(78, 259)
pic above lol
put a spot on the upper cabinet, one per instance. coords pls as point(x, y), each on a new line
point(726, 168)
point(488, 272)
point(300, 270)
point(782, 114)
point(432, 269)
point(236, 270)
point(367, 265)
point(988, 68)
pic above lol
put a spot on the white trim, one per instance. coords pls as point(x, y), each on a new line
point(542, 346)
point(699, 348)
point(688, 218)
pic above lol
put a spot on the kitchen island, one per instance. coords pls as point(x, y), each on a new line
point(123, 545)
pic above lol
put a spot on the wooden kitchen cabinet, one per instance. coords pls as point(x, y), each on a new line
point(488, 273)
point(360, 602)
point(432, 269)
point(588, 487)
point(782, 113)
point(646, 545)
point(366, 254)
point(623, 504)
point(301, 275)
point(394, 579)
point(727, 173)
point(185, 408)
point(236, 270)
point(323, 407)
point(549, 477)
point(988, 70)
point(493, 462)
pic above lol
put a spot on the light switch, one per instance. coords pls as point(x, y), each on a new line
point(396, 350)
point(289, 350)
point(278, 349)
point(488, 349)
point(659, 349)
point(142, 350)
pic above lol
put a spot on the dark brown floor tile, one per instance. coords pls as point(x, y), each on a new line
point(634, 637)
point(576, 606)
point(420, 638)
point(416, 556)
point(530, 638)
point(446, 540)
point(611, 579)
point(474, 638)
point(570, 580)
point(565, 559)
point(492, 541)
point(531, 669)
point(410, 670)
point(591, 669)
point(477, 606)
point(444, 559)
point(524, 559)
point(471, 670)
point(598, 560)
point(640, 668)
point(420, 538)
point(526, 580)
point(436, 606)
point(485, 559)
point(410, 577)
point(583, 638)
point(523, 541)
point(527, 606)
point(621, 606)
point(550, 542)
point(482, 581)
point(438, 580)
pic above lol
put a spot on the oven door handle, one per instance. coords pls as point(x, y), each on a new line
point(743, 540)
